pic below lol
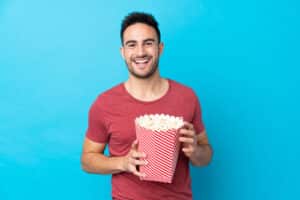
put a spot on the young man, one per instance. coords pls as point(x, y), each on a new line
point(111, 119)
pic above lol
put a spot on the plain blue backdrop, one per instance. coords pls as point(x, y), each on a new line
point(241, 58)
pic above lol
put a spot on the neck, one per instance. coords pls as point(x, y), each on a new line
point(147, 89)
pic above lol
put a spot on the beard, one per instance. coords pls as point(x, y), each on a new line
point(153, 69)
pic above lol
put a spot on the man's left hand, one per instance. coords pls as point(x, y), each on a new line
point(188, 138)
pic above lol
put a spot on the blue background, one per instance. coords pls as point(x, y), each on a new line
point(241, 58)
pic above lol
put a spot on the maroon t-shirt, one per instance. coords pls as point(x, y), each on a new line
point(111, 120)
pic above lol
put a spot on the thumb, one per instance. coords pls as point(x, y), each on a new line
point(134, 145)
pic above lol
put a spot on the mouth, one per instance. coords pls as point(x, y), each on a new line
point(141, 62)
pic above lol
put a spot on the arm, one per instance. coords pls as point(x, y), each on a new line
point(203, 151)
point(195, 146)
point(94, 161)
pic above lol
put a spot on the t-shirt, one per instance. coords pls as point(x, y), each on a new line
point(111, 121)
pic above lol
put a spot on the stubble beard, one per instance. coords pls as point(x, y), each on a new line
point(143, 76)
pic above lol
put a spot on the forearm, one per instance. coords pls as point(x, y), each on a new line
point(100, 164)
point(202, 155)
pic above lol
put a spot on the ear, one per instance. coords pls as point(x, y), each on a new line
point(161, 48)
point(122, 52)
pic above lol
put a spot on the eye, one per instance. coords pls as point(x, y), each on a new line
point(130, 45)
point(149, 43)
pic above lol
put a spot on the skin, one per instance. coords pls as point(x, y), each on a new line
point(141, 51)
point(140, 42)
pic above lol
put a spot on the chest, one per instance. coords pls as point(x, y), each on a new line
point(121, 125)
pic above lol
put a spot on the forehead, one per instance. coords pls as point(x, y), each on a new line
point(139, 32)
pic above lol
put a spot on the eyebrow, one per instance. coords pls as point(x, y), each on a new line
point(130, 41)
point(149, 40)
point(134, 41)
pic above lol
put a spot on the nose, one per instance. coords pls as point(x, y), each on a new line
point(140, 50)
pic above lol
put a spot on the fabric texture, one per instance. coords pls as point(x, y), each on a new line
point(111, 121)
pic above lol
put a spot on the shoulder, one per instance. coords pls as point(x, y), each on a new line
point(182, 89)
point(109, 95)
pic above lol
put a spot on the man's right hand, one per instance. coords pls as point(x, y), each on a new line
point(132, 160)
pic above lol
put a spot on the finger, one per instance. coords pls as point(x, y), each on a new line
point(186, 140)
point(188, 125)
point(139, 174)
point(139, 162)
point(137, 154)
point(134, 144)
point(187, 132)
point(187, 150)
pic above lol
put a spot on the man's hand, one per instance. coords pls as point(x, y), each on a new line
point(188, 138)
point(132, 160)
point(195, 146)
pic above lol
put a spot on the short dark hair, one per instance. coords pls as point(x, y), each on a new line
point(139, 17)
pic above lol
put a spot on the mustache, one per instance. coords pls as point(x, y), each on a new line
point(142, 56)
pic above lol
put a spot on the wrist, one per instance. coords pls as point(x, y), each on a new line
point(201, 156)
point(121, 164)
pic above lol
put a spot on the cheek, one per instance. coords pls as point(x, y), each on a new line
point(127, 56)
point(155, 52)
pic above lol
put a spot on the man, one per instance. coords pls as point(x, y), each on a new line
point(111, 119)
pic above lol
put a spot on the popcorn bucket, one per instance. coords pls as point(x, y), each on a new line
point(161, 146)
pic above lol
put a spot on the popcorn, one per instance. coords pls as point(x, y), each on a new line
point(159, 122)
point(158, 138)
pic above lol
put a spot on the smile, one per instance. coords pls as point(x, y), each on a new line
point(141, 60)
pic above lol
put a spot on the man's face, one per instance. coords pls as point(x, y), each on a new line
point(141, 50)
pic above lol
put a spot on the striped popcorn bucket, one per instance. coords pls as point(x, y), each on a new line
point(161, 149)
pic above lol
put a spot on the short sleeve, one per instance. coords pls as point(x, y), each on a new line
point(197, 117)
point(96, 130)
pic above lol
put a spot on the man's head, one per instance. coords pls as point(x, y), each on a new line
point(141, 46)
point(139, 17)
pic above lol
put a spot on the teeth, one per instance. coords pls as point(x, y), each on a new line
point(141, 61)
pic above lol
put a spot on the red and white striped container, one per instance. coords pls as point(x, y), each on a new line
point(161, 149)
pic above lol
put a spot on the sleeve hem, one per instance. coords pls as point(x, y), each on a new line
point(95, 139)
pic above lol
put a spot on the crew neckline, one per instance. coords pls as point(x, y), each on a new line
point(148, 102)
